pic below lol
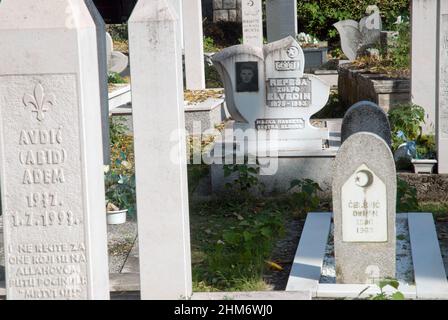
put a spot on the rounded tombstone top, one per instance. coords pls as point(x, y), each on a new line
point(366, 116)
point(368, 148)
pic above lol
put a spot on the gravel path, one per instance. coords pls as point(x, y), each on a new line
point(121, 239)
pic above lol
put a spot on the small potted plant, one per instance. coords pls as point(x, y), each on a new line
point(425, 155)
point(120, 196)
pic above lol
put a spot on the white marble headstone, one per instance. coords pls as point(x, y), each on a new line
point(279, 98)
point(51, 157)
point(116, 61)
point(252, 20)
point(357, 37)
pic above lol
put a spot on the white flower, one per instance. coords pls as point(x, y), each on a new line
point(106, 168)
point(399, 20)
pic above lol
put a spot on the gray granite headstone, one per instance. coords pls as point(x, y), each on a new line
point(366, 116)
point(364, 204)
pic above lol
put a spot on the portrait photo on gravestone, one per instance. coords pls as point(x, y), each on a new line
point(246, 76)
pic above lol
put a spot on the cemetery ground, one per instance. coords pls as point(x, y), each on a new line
point(350, 124)
point(242, 241)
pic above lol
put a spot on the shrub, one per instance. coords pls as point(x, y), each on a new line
point(243, 248)
point(305, 199)
point(120, 176)
point(406, 197)
point(114, 78)
point(245, 181)
point(399, 53)
point(317, 17)
point(406, 121)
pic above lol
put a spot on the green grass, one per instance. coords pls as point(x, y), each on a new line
point(222, 258)
point(438, 209)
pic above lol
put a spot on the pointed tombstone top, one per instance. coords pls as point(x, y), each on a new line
point(153, 10)
point(366, 116)
point(25, 14)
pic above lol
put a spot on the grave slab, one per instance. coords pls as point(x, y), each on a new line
point(430, 274)
point(307, 265)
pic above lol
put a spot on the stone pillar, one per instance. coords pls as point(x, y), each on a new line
point(423, 86)
point(103, 77)
point(281, 19)
point(194, 46)
point(52, 178)
point(252, 17)
point(442, 110)
point(160, 151)
point(177, 6)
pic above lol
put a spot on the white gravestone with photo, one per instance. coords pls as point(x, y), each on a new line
point(267, 90)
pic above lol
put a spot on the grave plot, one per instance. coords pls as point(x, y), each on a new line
point(364, 234)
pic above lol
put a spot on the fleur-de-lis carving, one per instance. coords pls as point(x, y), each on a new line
point(40, 101)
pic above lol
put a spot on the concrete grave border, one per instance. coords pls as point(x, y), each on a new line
point(426, 256)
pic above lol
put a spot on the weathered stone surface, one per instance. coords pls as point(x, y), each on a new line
point(364, 179)
point(228, 4)
point(102, 72)
point(424, 62)
point(442, 114)
point(252, 23)
point(162, 190)
point(366, 116)
point(355, 85)
point(53, 192)
point(217, 4)
point(281, 19)
point(193, 45)
point(430, 187)
point(220, 15)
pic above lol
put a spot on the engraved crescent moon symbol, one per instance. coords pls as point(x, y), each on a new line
point(250, 3)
